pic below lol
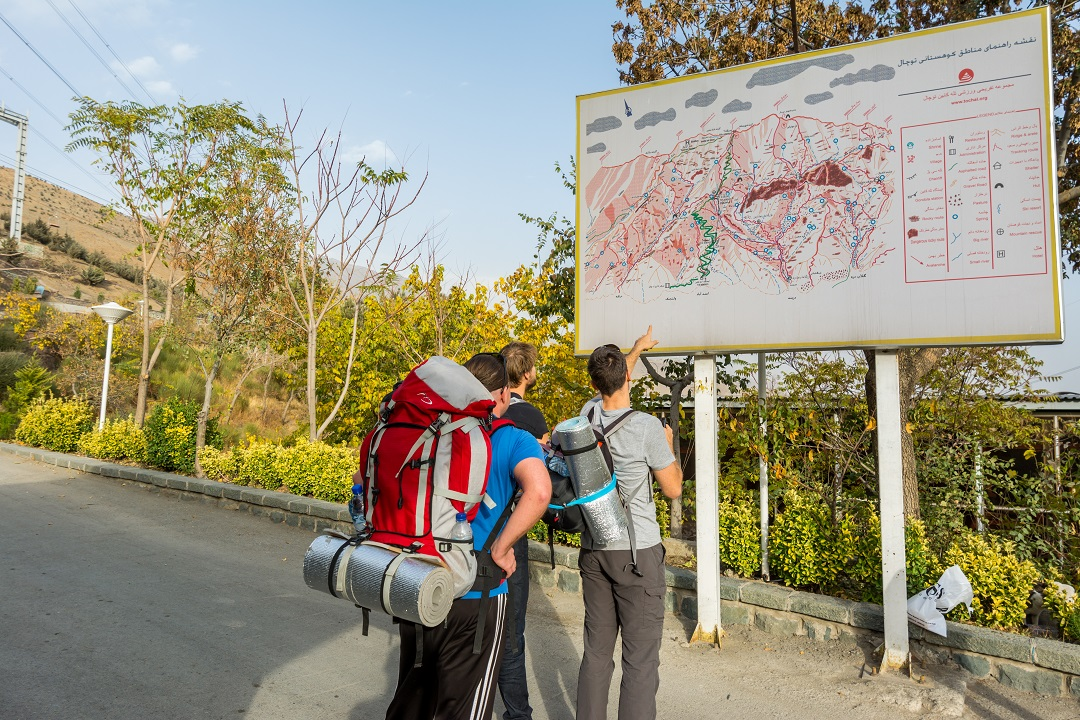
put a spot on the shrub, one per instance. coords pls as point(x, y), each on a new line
point(92, 275)
point(313, 469)
point(10, 363)
point(118, 440)
point(32, 381)
point(37, 230)
point(170, 435)
point(740, 537)
point(55, 423)
point(128, 271)
point(9, 251)
point(805, 547)
point(8, 422)
point(865, 568)
point(1066, 612)
point(1000, 582)
point(98, 259)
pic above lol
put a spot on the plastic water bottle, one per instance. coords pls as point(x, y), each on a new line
point(356, 508)
point(462, 530)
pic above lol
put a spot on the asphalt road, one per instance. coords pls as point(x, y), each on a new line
point(120, 603)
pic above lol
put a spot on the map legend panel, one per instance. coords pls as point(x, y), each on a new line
point(973, 198)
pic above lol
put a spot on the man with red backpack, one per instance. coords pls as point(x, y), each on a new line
point(449, 679)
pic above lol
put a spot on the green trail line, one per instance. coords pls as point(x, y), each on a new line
point(705, 257)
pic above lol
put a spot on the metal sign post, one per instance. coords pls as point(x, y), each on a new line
point(706, 468)
point(763, 473)
point(891, 491)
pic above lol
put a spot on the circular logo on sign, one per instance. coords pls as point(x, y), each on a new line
point(966, 75)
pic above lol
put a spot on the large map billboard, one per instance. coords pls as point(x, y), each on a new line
point(893, 193)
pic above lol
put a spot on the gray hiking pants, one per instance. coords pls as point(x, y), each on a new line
point(618, 600)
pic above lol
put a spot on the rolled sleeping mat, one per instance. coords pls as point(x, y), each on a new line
point(405, 585)
point(604, 513)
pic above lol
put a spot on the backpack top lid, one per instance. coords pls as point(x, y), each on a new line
point(441, 385)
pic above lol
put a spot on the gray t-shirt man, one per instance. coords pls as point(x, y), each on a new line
point(638, 446)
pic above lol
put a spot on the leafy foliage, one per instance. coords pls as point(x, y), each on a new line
point(170, 435)
point(314, 469)
point(740, 537)
point(55, 423)
point(32, 382)
point(117, 440)
point(1000, 581)
point(92, 275)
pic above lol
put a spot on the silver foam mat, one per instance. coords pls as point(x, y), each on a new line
point(604, 515)
point(420, 591)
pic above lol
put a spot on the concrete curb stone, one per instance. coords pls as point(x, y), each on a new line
point(1042, 682)
point(822, 607)
point(974, 664)
point(775, 597)
point(868, 616)
point(730, 588)
point(985, 642)
point(1054, 655)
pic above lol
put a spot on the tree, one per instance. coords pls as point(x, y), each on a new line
point(163, 160)
point(670, 38)
point(341, 251)
point(404, 324)
point(241, 223)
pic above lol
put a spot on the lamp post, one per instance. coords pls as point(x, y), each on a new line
point(111, 313)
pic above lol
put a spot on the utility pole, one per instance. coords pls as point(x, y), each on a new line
point(18, 188)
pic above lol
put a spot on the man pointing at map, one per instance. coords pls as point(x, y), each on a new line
point(623, 593)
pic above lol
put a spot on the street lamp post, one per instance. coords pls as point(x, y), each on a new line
point(111, 313)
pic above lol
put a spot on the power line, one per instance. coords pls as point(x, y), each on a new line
point(90, 48)
point(41, 174)
point(106, 44)
point(29, 95)
point(68, 157)
point(40, 56)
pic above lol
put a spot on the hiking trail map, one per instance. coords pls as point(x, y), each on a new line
point(893, 193)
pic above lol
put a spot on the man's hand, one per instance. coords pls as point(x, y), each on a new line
point(670, 437)
point(643, 343)
point(504, 558)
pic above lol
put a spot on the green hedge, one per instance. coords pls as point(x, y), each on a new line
point(118, 440)
point(55, 423)
point(315, 469)
point(170, 435)
point(1001, 582)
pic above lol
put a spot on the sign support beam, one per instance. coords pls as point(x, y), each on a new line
point(706, 468)
point(891, 493)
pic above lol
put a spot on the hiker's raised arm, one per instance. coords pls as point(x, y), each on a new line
point(643, 343)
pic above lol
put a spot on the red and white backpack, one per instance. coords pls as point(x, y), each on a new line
point(427, 460)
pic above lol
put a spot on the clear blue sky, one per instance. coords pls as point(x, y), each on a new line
point(478, 94)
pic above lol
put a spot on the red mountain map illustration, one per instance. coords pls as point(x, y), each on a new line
point(788, 203)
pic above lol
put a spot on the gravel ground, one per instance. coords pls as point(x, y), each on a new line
point(756, 675)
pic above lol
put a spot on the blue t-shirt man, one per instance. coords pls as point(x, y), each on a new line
point(509, 446)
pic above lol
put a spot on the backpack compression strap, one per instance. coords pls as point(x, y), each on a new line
point(615, 425)
point(488, 577)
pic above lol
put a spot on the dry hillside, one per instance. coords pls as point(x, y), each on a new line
point(68, 212)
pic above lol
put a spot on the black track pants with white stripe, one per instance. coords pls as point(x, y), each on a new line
point(452, 683)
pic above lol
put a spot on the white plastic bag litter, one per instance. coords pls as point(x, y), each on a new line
point(928, 608)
